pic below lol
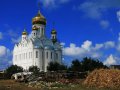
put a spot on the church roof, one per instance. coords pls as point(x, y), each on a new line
point(43, 43)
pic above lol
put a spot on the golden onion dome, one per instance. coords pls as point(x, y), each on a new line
point(35, 28)
point(54, 31)
point(24, 32)
point(39, 19)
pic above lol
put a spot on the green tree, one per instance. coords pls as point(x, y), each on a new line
point(34, 69)
point(12, 70)
point(54, 66)
point(75, 66)
point(63, 67)
point(89, 64)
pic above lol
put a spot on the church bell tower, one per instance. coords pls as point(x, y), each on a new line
point(24, 35)
point(39, 22)
point(54, 36)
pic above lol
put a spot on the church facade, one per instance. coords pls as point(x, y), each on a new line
point(37, 49)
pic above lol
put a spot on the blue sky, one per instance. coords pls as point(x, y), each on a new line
point(85, 27)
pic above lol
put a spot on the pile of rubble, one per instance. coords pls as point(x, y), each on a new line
point(103, 78)
point(48, 85)
point(50, 82)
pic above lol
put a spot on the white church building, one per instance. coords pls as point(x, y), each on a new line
point(37, 49)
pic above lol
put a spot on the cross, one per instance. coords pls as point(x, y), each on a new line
point(39, 5)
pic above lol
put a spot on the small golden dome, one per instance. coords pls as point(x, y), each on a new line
point(34, 28)
point(54, 31)
point(39, 19)
point(24, 32)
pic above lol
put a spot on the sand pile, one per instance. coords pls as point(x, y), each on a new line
point(107, 78)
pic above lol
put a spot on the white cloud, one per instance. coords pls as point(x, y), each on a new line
point(5, 57)
point(53, 3)
point(12, 33)
point(86, 49)
point(3, 51)
point(90, 10)
point(111, 60)
point(73, 50)
point(119, 37)
point(96, 51)
point(1, 35)
point(98, 46)
point(62, 44)
point(104, 24)
point(118, 15)
point(16, 40)
point(118, 45)
point(87, 45)
point(109, 44)
point(95, 8)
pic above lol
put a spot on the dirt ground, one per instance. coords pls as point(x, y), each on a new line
point(12, 85)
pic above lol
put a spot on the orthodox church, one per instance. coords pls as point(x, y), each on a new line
point(37, 49)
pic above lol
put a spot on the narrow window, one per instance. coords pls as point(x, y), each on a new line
point(23, 56)
point(56, 55)
point(51, 55)
point(42, 55)
point(31, 54)
point(26, 55)
point(52, 37)
point(20, 56)
point(16, 57)
point(42, 60)
point(42, 31)
point(36, 54)
point(47, 55)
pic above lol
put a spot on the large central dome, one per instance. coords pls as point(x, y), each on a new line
point(39, 19)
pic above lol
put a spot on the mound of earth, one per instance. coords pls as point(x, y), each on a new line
point(103, 78)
